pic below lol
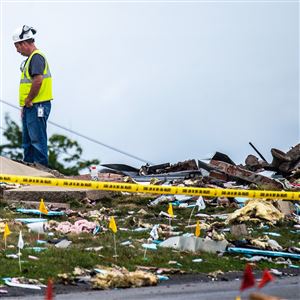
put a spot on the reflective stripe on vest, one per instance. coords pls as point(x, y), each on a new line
point(45, 92)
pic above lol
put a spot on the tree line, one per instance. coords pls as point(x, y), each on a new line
point(64, 154)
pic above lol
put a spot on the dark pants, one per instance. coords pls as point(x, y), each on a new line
point(34, 133)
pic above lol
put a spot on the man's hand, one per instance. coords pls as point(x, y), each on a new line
point(28, 102)
point(35, 88)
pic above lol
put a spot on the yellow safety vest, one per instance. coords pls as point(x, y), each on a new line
point(45, 92)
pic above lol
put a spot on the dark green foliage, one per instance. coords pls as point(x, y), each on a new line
point(13, 134)
point(64, 153)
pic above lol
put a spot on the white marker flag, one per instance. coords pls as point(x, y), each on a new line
point(200, 203)
point(20, 242)
point(154, 232)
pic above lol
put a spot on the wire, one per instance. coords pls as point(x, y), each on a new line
point(86, 137)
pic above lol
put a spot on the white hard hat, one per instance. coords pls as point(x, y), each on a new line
point(23, 33)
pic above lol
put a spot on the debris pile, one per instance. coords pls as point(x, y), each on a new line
point(198, 233)
point(221, 169)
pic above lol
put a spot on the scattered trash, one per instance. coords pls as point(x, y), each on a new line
point(294, 266)
point(215, 274)
point(196, 260)
point(126, 243)
point(41, 242)
point(38, 212)
point(263, 252)
point(94, 248)
point(33, 257)
point(272, 233)
point(224, 222)
point(14, 256)
point(275, 272)
point(19, 282)
point(63, 244)
point(150, 246)
point(162, 277)
point(94, 173)
point(32, 220)
point(37, 227)
point(174, 262)
point(37, 249)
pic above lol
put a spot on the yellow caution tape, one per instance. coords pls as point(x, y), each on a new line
point(149, 189)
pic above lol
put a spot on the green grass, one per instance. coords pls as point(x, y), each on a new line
point(54, 261)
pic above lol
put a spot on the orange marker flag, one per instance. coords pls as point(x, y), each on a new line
point(49, 290)
point(7, 232)
point(43, 209)
point(197, 230)
point(248, 278)
point(266, 278)
point(170, 210)
point(112, 225)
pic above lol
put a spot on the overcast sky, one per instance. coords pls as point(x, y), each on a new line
point(165, 81)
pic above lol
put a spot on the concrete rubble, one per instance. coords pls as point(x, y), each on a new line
point(220, 170)
point(58, 196)
point(194, 244)
point(8, 166)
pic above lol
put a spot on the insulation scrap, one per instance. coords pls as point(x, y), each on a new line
point(217, 236)
point(266, 243)
point(259, 244)
point(215, 274)
point(67, 227)
point(256, 210)
point(158, 270)
point(122, 278)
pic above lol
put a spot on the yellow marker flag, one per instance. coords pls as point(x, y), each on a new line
point(43, 208)
point(197, 230)
point(6, 232)
point(112, 225)
point(170, 210)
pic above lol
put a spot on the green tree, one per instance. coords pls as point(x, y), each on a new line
point(64, 153)
point(13, 134)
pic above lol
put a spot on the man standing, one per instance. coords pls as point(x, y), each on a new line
point(35, 95)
